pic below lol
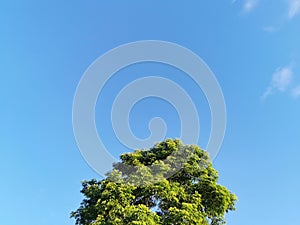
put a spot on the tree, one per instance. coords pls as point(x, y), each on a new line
point(169, 184)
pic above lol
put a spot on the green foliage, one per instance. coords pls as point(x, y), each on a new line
point(170, 184)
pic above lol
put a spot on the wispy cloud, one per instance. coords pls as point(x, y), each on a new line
point(270, 29)
point(294, 8)
point(249, 5)
point(281, 80)
point(296, 92)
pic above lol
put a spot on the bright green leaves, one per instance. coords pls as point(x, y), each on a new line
point(170, 184)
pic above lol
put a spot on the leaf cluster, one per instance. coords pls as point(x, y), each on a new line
point(169, 184)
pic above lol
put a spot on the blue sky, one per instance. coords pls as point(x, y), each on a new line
point(252, 46)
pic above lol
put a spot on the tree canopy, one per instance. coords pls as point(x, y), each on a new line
point(169, 184)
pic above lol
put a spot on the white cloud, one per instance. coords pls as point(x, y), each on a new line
point(296, 92)
point(281, 80)
point(294, 8)
point(249, 5)
point(270, 29)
